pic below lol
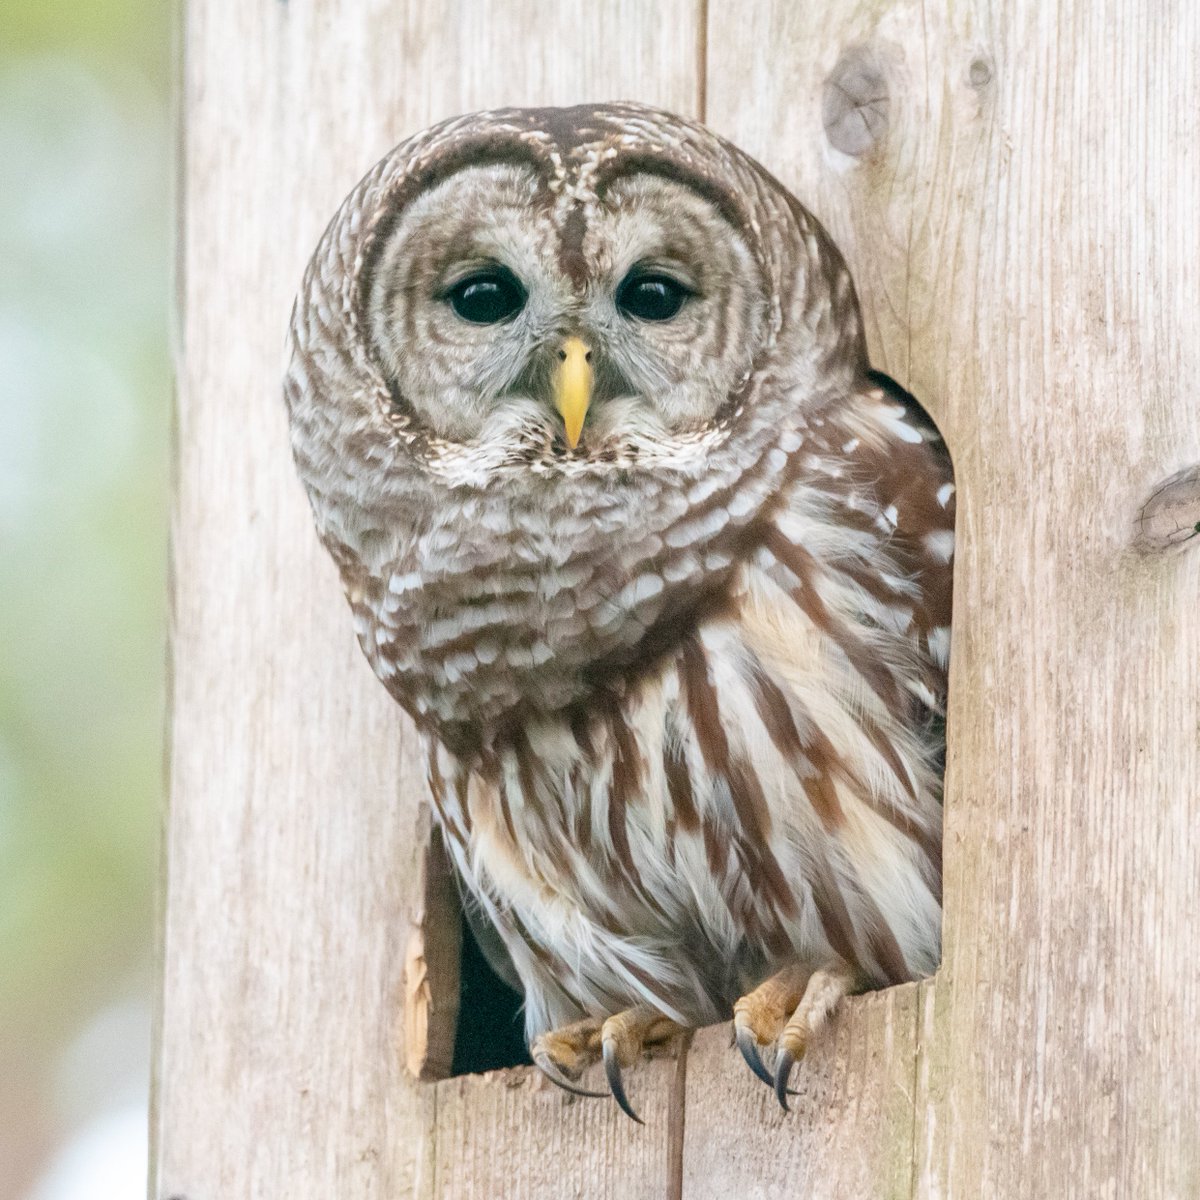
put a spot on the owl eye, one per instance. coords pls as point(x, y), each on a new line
point(487, 297)
point(651, 297)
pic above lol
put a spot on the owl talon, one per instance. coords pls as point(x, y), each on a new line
point(546, 1065)
point(612, 1072)
point(562, 1055)
point(746, 1043)
point(749, 1050)
point(622, 1039)
point(783, 1069)
point(758, 1019)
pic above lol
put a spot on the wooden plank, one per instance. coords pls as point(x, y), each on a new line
point(1024, 238)
point(513, 1133)
point(850, 1129)
point(294, 841)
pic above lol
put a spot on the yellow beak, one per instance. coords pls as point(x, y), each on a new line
point(573, 386)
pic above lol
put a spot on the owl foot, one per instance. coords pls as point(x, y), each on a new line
point(562, 1055)
point(786, 1011)
point(759, 1018)
point(622, 1040)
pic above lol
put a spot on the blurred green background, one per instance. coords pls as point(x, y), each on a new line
point(85, 195)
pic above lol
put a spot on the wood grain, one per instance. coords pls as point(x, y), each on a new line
point(513, 1133)
point(849, 1132)
point(1024, 239)
point(295, 835)
point(1017, 205)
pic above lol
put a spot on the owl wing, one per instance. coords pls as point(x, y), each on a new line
point(844, 625)
point(915, 481)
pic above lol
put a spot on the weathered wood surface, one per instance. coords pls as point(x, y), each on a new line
point(1016, 198)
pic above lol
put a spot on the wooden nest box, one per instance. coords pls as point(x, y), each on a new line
point(1015, 188)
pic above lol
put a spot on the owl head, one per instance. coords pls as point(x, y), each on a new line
point(592, 284)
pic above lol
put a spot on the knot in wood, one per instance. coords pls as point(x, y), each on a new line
point(855, 105)
point(1170, 518)
point(979, 73)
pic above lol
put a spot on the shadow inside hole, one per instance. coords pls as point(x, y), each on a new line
point(491, 1027)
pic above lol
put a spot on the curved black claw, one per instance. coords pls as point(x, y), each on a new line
point(612, 1072)
point(783, 1068)
point(549, 1068)
point(748, 1045)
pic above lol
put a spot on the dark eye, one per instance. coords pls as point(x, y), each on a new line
point(487, 297)
point(651, 297)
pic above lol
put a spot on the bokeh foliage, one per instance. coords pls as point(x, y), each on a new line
point(85, 170)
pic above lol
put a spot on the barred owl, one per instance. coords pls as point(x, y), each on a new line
point(654, 560)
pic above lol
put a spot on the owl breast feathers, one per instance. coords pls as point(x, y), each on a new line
point(657, 564)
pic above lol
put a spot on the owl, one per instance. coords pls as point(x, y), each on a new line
point(657, 564)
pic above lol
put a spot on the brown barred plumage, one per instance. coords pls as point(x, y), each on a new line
point(681, 683)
